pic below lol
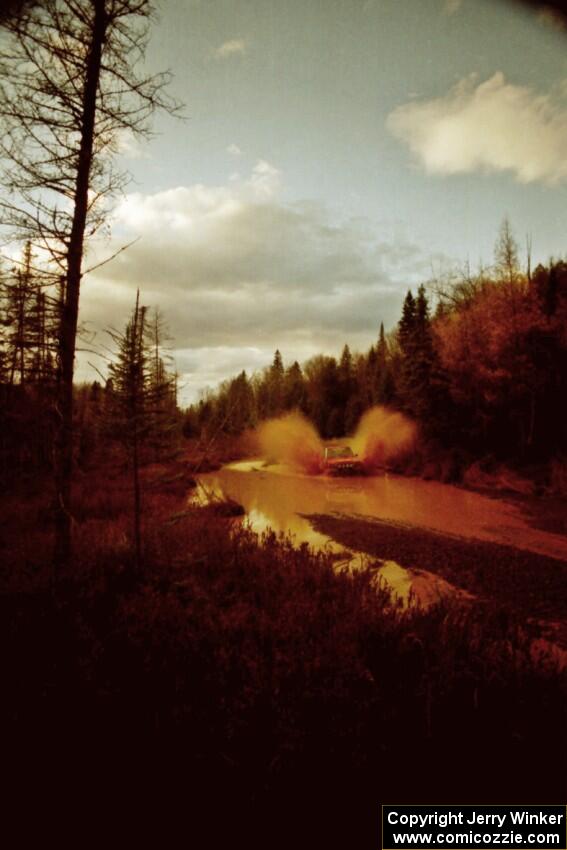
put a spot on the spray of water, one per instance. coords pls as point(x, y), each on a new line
point(383, 436)
point(293, 440)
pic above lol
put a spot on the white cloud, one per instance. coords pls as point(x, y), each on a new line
point(451, 7)
point(265, 179)
point(237, 273)
point(129, 145)
point(234, 150)
point(488, 126)
point(233, 47)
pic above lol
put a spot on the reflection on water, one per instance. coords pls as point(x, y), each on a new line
point(275, 497)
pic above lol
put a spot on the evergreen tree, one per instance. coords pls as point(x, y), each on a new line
point(346, 387)
point(74, 86)
point(241, 405)
point(129, 420)
point(276, 385)
point(369, 378)
point(416, 345)
point(294, 388)
point(162, 383)
point(382, 349)
point(407, 323)
point(385, 388)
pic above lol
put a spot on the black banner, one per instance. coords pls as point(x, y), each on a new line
point(474, 826)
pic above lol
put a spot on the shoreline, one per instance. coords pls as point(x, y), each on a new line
point(535, 585)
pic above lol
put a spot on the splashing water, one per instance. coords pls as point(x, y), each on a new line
point(293, 440)
point(382, 436)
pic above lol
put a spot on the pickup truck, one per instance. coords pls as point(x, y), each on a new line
point(341, 460)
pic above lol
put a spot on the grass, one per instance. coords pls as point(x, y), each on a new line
point(252, 667)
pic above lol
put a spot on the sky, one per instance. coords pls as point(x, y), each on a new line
point(333, 154)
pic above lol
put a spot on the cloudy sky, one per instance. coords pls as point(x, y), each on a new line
point(335, 152)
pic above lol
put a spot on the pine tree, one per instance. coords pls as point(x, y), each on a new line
point(385, 389)
point(369, 386)
point(129, 419)
point(294, 388)
point(238, 410)
point(20, 293)
point(407, 323)
point(346, 385)
point(71, 85)
point(382, 349)
point(416, 345)
point(162, 383)
point(276, 385)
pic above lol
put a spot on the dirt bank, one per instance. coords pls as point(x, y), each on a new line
point(533, 584)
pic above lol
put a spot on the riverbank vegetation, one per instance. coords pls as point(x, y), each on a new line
point(530, 584)
point(182, 641)
point(479, 361)
point(155, 638)
point(253, 667)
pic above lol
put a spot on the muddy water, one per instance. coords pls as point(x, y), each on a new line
point(276, 497)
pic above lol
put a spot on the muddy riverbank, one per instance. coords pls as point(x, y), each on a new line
point(432, 539)
point(280, 498)
point(531, 583)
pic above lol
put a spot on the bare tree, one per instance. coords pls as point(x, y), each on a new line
point(71, 86)
point(11, 9)
point(506, 254)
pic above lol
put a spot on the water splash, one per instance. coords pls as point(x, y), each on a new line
point(293, 440)
point(383, 436)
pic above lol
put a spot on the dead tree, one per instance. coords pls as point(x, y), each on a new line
point(71, 85)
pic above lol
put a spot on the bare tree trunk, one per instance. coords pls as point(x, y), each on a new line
point(137, 378)
point(531, 429)
point(137, 500)
point(70, 306)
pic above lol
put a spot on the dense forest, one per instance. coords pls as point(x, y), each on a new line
point(153, 645)
point(479, 361)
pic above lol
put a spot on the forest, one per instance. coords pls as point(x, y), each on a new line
point(479, 361)
point(156, 652)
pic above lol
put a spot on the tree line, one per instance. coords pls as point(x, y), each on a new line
point(72, 82)
point(478, 360)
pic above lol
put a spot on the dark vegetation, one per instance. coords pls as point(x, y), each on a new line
point(531, 584)
point(253, 667)
point(177, 643)
point(169, 640)
point(72, 82)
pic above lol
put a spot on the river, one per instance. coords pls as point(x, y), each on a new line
point(277, 497)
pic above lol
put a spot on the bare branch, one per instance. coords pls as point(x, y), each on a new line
point(112, 256)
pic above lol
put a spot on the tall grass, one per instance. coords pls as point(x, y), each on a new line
point(256, 667)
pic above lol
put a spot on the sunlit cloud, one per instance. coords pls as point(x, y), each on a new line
point(488, 126)
point(129, 145)
point(451, 7)
point(233, 47)
point(265, 180)
point(234, 150)
point(238, 272)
